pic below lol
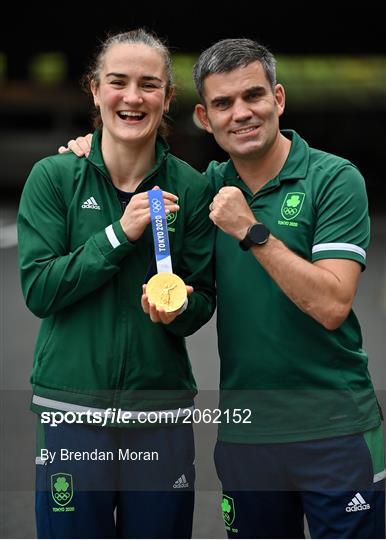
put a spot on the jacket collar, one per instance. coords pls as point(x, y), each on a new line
point(96, 158)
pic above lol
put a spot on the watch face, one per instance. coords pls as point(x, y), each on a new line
point(256, 236)
point(258, 233)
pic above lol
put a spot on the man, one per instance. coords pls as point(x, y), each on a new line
point(293, 228)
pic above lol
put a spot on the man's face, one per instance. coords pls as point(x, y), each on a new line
point(242, 111)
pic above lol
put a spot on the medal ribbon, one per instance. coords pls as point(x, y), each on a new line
point(160, 231)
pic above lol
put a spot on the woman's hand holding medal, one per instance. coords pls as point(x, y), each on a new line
point(159, 314)
point(136, 216)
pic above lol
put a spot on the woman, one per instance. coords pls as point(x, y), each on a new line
point(86, 248)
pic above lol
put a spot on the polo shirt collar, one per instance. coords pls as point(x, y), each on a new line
point(295, 166)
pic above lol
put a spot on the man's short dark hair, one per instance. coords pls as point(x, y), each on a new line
point(229, 54)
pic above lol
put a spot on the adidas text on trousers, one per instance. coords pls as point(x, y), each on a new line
point(269, 488)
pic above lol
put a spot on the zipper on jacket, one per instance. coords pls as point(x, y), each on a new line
point(123, 292)
point(127, 345)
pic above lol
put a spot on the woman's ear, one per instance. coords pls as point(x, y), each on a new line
point(168, 99)
point(94, 91)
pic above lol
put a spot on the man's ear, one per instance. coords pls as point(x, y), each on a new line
point(200, 112)
point(280, 98)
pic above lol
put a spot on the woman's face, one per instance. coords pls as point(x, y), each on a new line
point(131, 93)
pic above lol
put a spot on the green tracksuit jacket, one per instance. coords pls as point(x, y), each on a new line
point(80, 274)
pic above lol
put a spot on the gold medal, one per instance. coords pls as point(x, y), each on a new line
point(167, 291)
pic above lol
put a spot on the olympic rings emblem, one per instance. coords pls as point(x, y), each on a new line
point(62, 496)
point(289, 211)
point(156, 205)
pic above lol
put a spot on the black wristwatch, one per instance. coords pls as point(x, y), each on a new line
point(257, 235)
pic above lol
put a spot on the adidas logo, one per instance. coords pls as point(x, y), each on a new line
point(91, 203)
point(357, 504)
point(181, 482)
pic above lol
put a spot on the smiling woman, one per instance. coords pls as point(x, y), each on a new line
point(98, 347)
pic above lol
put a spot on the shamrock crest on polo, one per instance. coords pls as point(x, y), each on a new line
point(292, 205)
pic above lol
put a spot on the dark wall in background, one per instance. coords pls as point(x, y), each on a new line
point(29, 131)
point(288, 28)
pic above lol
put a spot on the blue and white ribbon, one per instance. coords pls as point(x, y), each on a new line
point(160, 231)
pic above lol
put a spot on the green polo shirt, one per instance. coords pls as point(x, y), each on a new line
point(299, 380)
